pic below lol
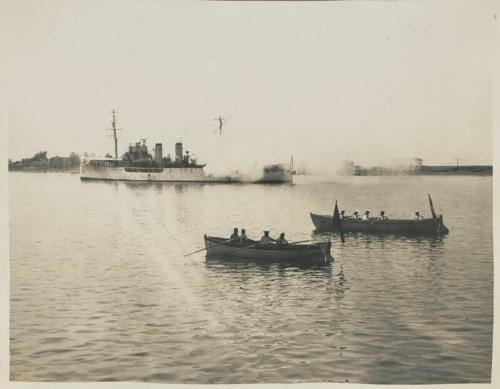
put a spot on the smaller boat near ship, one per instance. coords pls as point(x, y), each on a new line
point(277, 174)
point(315, 253)
point(421, 226)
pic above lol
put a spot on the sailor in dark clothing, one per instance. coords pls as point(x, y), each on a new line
point(281, 240)
point(266, 238)
point(234, 235)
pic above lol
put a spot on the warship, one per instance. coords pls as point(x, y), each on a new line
point(137, 164)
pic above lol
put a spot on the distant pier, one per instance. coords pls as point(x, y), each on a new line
point(416, 168)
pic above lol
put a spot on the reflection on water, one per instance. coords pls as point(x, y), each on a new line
point(101, 290)
point(407, 239)
point(258, 263)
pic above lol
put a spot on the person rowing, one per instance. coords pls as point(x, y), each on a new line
point(281, 241)
point(418, 216)
point(266, 238)
point(382, 215)
point(234, 235)
point(342, 214)
point(355, 214)
point(243, 237)
point(366, 216)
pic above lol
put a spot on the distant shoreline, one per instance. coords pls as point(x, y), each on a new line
point(440, 174)
point(484, 174)
point(34, 170)
point(419, 170)
point(444, 173)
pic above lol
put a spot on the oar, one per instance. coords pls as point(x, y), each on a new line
point(219, 244)
point(263, 243)
point(298, 241)
point(304, 241)
point(234, 247)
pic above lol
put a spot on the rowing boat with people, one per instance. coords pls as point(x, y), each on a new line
point(388, 226)
point(421, 226)
point(318, 252)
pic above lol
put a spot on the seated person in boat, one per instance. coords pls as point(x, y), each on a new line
point(366, 216)
point(234, 235)
point(266, 238)
point(281, 241)
point(418, 216)
point(342, 214)
point(355, 214)
point(243, 236)
point(382, 215)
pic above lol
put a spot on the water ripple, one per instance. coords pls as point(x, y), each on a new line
point(102, 290)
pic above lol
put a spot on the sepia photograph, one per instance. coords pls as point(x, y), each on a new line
point(248, 192)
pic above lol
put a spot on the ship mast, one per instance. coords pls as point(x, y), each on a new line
point(114, 129)
point(221, 121)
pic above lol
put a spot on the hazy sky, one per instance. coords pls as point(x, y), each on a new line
point(324, 81)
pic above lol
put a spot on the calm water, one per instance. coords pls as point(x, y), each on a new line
point(100, 289)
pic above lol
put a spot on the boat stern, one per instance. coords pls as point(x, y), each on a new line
point(325, 248)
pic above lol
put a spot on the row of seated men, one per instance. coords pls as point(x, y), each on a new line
point(265, 239)
point(366, 216)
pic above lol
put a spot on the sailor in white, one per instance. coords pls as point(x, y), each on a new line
point(243, 236)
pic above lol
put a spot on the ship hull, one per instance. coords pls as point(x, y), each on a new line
point(171, 174)
point(431, 226)
point(276, 177)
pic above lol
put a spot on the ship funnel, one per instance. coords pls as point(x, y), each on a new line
point(178, 151)
point(158, 153)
